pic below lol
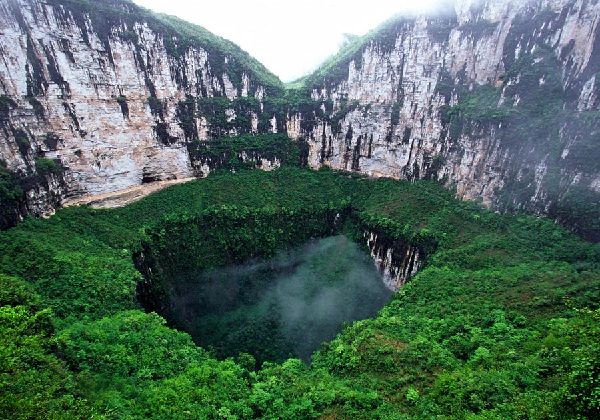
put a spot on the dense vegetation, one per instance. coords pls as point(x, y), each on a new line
point(11, 196)
point(14, 186)
point(248, 152)
point(503, 322)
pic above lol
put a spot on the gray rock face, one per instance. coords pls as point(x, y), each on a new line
point(101, 93)
point(396, 261)
point(490, 98)
point(497, 99)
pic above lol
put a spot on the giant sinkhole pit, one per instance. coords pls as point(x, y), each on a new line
point(282, 307)
point(269, 284)
point(206, 294)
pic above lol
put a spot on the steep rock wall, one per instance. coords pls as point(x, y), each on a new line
point(397, 261)
point(497, 99)
point(113, 96)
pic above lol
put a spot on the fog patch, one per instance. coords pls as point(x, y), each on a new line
point(283, 307)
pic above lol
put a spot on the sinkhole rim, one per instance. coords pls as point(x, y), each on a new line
point(365, 241)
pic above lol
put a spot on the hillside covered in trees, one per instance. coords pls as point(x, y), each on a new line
point(502, 321)
point(421, 242)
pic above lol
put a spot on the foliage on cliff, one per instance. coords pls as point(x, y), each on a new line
point(335, 68)
point(540, 141)
point(15, 185)
point(486, 329)
point(11, 197)
point(240, 59)
point(247, 152)
point(382, 39)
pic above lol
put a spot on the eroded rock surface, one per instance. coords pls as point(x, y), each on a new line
point(497, 99)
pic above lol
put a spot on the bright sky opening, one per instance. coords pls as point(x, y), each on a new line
point(291, 38)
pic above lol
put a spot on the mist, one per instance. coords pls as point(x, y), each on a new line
point(283, 307)
point(290, 38)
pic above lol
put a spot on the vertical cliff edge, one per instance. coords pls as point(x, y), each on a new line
point(100, 96)
point(497, 99)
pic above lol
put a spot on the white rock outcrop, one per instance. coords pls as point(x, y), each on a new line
point(108, 92)
point(388, 112)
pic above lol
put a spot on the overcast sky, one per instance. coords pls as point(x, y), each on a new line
point(290, 38)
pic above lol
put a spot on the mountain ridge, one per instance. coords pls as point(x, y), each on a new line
point(459, 97)
point(498, 101)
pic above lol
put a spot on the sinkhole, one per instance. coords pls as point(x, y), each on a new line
point(278, 307)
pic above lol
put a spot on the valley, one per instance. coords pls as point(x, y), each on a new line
point(411, 231)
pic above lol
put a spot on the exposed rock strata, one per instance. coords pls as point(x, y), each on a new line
point(394, 103)
point(395, 260)
point(498, 99)
point(104, 93)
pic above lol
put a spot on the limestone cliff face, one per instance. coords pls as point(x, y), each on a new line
point(397, 261)
point(107, 96)
point(498, 99)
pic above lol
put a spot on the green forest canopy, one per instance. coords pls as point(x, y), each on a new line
point(503, 321)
